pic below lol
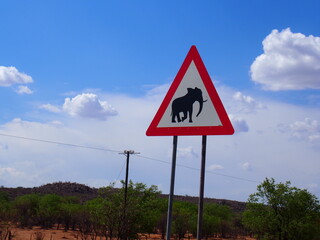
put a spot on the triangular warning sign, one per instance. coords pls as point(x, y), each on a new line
point(192, 105)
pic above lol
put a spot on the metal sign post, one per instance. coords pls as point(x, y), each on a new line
point(201, 192)
point(173, 173)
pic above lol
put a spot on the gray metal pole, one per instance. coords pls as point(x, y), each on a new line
point(201, 193)
point(173, 172)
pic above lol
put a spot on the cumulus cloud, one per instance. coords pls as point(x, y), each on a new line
point(214, 167)
point(8, 172)
point(3, 146)
point(24, 90)
point(88, 105)
point(291, 61)
point(155, 91)
point(247, 166)
point(50, 108)
point(187, 152)
point(313, 185)
point(239, 124)
point(247, 103)
point(307, 129)
point(10, 76)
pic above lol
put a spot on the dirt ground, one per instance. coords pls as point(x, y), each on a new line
point(42, 234)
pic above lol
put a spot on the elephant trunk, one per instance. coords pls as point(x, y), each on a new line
point(201, 105)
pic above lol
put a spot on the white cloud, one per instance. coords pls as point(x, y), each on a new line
point(313, 185)
point(308, 130)
point(247, 104)
point(88, 105)
point(11, 175)
point(187, 152)
point(3, 146)
point(239, 124)
point(56, 123)
point(291, 61)
point(155, 91)
point(9, 172)
point(214, 167)
point(246, 166)
point(24, 90)
point(50, 108)
point(10, 76)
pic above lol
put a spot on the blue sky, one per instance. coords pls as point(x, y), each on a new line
point(93, 73)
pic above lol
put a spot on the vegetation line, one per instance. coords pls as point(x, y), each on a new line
point(277, 211)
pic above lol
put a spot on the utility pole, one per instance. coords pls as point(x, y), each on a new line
point(127, 153)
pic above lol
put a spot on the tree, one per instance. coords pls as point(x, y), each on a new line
point(5, 207)
point(141, 212)
point(49, 210)
point(95, 221)
point(25, 208)
point(140, 208)
point(69, 209)
point(282, 212)
point(216, 219)
point(161, 223)
point(150, 206)
point(184, 217)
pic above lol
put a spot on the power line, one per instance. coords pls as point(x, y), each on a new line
point(124, 163)
point(59, 143)
point(115, 151)
point(197, 169)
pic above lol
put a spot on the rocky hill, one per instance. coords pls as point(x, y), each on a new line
point(85, 193)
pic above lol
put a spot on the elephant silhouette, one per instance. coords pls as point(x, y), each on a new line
point(185, 105)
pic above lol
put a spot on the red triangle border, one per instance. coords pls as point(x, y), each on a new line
point(225, 129)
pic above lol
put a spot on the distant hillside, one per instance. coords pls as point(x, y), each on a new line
point(236, 206)
point(85, 193)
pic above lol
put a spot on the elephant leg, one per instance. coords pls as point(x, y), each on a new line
point(190, 115)
point(173, 118)
point(185, 115)
point(178, 117)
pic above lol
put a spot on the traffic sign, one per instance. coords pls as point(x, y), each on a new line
point(192, 105)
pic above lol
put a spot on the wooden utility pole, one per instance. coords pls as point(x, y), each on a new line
point(124, 228)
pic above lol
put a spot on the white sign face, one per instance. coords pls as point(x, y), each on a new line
point(185, 104)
